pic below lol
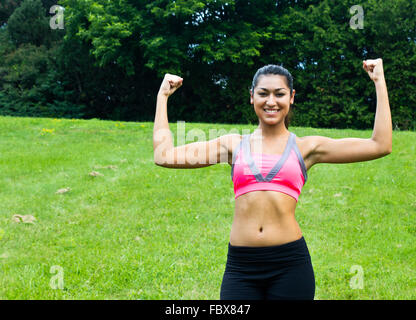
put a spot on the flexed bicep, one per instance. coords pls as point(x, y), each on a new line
point(345, 150)
point(197, 154)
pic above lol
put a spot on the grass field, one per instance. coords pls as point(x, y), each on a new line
point(139, 231)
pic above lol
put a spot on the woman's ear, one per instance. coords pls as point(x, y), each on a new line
point(292, 99)
point(251, 97)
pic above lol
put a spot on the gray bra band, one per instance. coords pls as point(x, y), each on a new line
point(250, 162)
point(235, 152)
point(301, 162)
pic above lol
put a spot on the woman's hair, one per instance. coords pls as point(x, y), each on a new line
point(279, 70)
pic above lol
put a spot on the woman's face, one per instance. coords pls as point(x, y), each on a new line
point(271, 98)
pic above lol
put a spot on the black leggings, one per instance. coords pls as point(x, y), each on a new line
point(269, 273)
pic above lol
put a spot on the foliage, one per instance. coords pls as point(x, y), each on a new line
point(31, 88)
point(28, 24)
point(112, 56)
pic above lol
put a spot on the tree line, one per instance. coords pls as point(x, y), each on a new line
point(110, 57)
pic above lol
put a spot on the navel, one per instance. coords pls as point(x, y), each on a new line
point(261, 229)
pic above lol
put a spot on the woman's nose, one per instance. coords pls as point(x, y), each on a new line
point(271, 101)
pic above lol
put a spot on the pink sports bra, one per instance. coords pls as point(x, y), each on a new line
point(282, 173)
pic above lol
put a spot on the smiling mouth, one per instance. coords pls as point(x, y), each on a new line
point(271, 111)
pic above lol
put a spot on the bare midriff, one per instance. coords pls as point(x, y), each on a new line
point(264, 218)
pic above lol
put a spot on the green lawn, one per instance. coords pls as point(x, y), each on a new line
point(139, 231)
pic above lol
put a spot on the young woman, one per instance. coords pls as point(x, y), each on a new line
point(267, 254)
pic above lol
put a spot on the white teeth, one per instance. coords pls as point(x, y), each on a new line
point(271, 110)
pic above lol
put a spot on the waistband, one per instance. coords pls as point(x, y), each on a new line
point(295, 251)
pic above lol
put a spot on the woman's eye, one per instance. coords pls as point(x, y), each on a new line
point(263, 94)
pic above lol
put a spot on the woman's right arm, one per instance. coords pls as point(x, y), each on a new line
point(192, 155)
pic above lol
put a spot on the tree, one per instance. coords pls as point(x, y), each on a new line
point(28, 24)
point(6, 9)
point(115, 53)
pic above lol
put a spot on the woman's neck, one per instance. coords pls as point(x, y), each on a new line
point(271, 132)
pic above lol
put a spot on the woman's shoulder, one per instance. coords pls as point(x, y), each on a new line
point(307, 140)
point(306, 145)
point(231, 142)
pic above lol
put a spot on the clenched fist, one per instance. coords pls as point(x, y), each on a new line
point(374, 69)
point(169, 84)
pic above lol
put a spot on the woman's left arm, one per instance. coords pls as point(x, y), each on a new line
point(346, 150)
